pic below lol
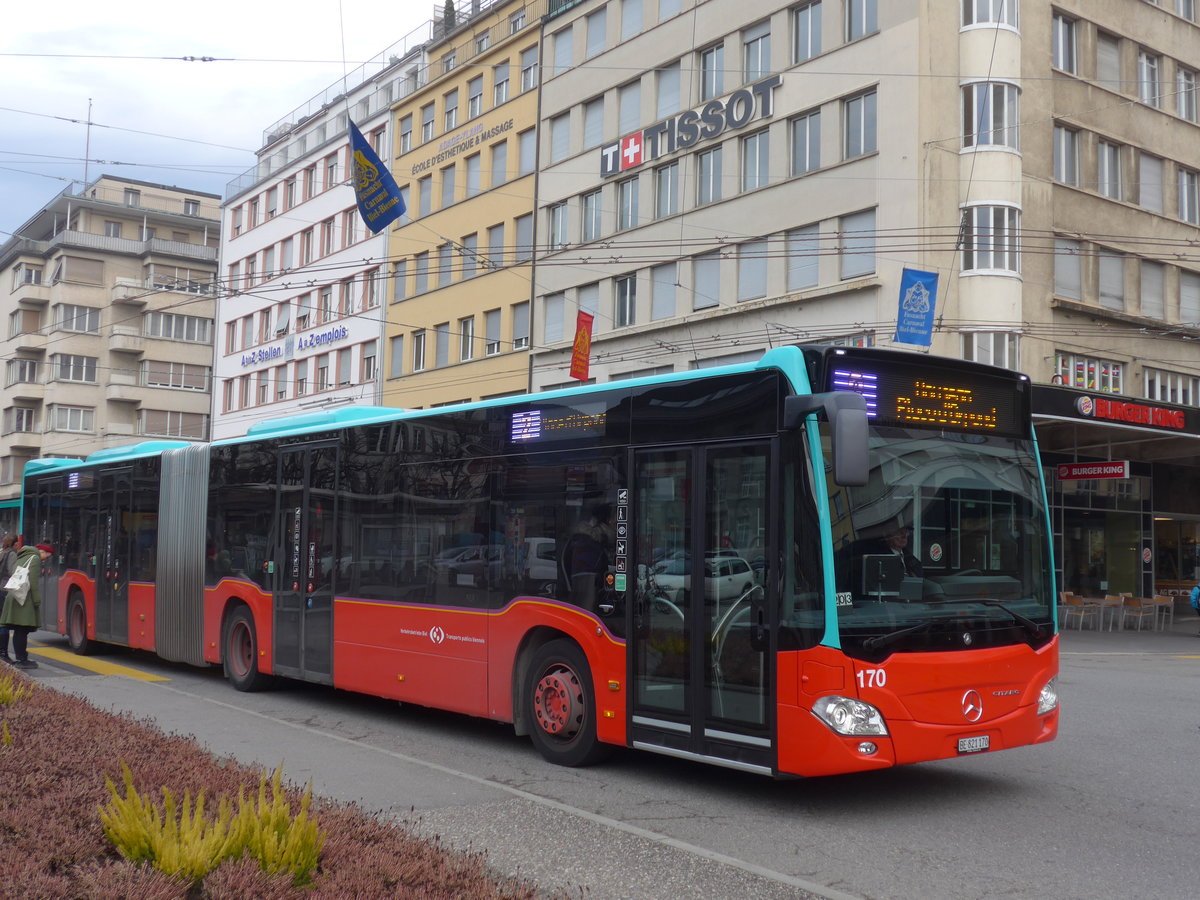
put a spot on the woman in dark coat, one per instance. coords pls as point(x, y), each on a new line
point(22, 618)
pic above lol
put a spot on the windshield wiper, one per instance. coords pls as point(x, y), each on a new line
point(1034, 629)
point(884, 639)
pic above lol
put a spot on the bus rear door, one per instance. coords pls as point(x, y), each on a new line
point(112, 554)
point(702, 534)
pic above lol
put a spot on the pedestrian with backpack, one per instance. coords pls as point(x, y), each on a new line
point(22, 608)
point(1196, 599)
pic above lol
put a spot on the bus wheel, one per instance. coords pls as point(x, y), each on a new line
point(560, 706)
point(239, 645)
point(77, 637)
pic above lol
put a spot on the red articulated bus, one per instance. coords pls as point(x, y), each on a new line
point(829, 560)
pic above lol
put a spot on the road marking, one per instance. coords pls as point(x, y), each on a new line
point(99, 666)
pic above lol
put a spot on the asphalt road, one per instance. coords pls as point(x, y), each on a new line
point(1109, 810)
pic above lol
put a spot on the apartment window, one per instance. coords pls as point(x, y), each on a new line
point(326, 245)
point(1171, 387)
point(79, 419)
point(666, 190)
point(560, 137)
point(590, 229)
point(1185, 92)
point(191, 207)
point(444, 265)
point(627, 203)
point(496, 246)
point(626, 301)
point(1108, 61)
point(1067, 271)
point(482, 42)
point(990, 12)
point(993, 348)
point(631, 18)
point(858, 113)
point(1100, 375)
point(752, 270)
point(442, 345)
point(1066, 155)
point(72, 367)
point(552, 318)
point(990, 239)
point(473, 163)
point(427, 123)
point(20, 419)
point(148, 233)
point(806, 31)
point(806, 143)
point(235, 220)
point(1112, 280)
point(520, 320)
point(176, 327)
point(803, 253)
point(593, 122)
point(523, 225)
point(557, 219)
point(588, 298)
point(395, 356)
point(26, 274)
point(112, 229)
point(449, 61)
point(1149, 86)
point(1152, 289)
point(629, 107)
point(862, 18)
point(331, 171)
point(1186, 8)
point(500, 83)
point(22, 371)
point(450, 110)
point(1062, 42)
point(668, 89)
point(756, 161)
point(281, 382)
point(662, 291)
point(475, 97)
point(425, 195)
point(756, 51)
point(83, 319)
point(132, 197)
point(1108, 169)
point(1189, 196)
point(856, 238)
point(562, 50)
point(712, 72)
point(597, 26)
point(322, 367)
point(526, 151)
point(499, 163)
point(399, 281)
point(991, 115)
point(1189, 297)
point(529, 64)
point(708, 176)
point(325, 305)
point(447, 186)
point(706, 280)
point(421, 272)
point(491, 332)
point(466, 339)
point(418, 351)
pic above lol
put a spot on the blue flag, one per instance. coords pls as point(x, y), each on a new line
point(918, 299)
point(379, 199)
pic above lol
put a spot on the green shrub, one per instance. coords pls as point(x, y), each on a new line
point(12, 691)
point(184, 841)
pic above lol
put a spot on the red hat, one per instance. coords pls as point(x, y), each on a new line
point(46, 548)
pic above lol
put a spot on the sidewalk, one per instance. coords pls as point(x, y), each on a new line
point(1181, 637)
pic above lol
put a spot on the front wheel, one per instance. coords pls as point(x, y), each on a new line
point(239, 645)
point(561, 706)
point(77, 638)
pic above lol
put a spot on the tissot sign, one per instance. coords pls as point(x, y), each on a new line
point(690, 128)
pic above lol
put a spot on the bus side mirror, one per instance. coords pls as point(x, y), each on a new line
point(847, 416)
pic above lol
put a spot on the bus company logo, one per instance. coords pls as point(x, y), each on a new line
point(972, 706)
point(436, 634)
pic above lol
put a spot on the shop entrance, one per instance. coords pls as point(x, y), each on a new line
point(1176, 555)
point(1100, 553)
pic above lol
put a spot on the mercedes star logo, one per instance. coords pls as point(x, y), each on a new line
point(972, 706)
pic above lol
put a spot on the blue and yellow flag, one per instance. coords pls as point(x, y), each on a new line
point(379, 199)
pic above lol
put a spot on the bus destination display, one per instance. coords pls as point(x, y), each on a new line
point(555, 424)
point(930, 398)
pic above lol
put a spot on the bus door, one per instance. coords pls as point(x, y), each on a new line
point(699, 641)
point(306, 563)
point(114, 511)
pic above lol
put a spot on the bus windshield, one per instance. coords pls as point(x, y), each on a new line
point(944, 548)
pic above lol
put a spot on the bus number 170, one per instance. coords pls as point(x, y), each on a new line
point(872, 678)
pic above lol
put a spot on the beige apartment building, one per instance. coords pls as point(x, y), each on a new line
point(108, 293)
point(462, 262)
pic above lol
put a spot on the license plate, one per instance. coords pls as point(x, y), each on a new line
point(973, 744)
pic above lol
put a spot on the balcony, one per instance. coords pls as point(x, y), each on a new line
point(130, 291)
point(27, 390)
point(29, 341)
point(24, 443)
point(126, 340)
point(33, 295)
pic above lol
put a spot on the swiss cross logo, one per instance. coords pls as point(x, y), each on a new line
point(631, 151)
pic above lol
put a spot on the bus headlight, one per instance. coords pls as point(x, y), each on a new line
point(1048, 700)
point(845, 715)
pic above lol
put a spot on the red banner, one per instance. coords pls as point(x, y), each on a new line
point(581, 353)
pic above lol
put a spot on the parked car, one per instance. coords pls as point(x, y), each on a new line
point(725, 577)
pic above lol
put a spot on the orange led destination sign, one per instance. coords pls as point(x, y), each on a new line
point(936, 404)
